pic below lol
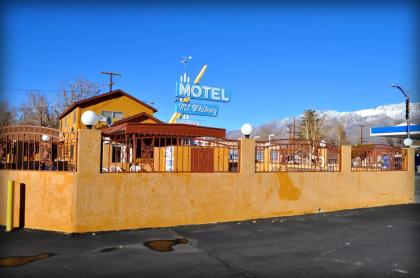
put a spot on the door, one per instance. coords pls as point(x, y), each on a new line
point(202, 160)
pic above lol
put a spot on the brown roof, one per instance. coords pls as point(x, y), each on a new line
point(103, 97)
point(166, 129)
point(137, 117)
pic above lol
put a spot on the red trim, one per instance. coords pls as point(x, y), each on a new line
point(166, 129)
point(138, 116)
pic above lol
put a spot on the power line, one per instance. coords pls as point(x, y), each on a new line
point(32, 108)
point(39, 90)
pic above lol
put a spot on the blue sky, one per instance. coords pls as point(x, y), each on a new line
point(277, 60)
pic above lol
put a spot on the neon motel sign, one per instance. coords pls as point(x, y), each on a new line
point(200, 92)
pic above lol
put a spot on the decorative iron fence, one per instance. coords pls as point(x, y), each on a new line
point(37, 148)
point(134, 153)
point(378, 158)
point(295, 155)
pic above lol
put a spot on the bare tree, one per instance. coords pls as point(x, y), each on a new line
point(37, 110)
point(341, 134)
point(7, 115)
point(310, 126)
point(78, 89)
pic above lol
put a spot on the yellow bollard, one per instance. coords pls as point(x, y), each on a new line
point(9, 220)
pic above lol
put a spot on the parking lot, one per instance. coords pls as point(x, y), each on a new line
point(372, 242)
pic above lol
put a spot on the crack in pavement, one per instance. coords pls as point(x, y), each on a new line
point(217, 258)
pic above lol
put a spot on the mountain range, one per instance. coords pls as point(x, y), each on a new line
point(354, 122)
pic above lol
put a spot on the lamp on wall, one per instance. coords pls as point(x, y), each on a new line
point(323, 144)
point(45, 138)
point(89, 118)
point(246, 130)
point(408, 142)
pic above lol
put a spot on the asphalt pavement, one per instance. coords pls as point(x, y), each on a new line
point(372, 242)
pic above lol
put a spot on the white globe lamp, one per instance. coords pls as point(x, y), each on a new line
point(45, 138)
point(89, 118)
point(408, 142)
point(246, 130)
point(323, 144)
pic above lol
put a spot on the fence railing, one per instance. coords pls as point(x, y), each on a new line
point(37, 148)
point(378, 158)
point(41, 148)
point(134, 153)
point(295, 155)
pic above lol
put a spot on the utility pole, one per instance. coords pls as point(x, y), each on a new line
point(361, 134)
point(407, 107)
point(338, 134)
point(111, 74)
point(290, 131)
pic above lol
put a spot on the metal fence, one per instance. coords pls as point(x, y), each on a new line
point(134, 153)
point(374, 157)
point(295, 155)
point(37, 148)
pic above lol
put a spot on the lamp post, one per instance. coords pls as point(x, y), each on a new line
point(246, 130)
point(45, 152)
point(407, 141)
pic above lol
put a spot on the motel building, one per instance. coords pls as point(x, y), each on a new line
point(134, 140)
point(113, 165)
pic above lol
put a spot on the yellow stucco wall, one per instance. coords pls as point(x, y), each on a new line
point(71, 122)
point(49, 200)
point(117, 201)
point(125, 201)
point(121, 104)
point(90, 201)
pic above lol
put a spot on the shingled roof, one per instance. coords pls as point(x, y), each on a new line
point(97, 99)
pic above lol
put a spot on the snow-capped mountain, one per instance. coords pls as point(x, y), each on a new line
point(385, 115)
point(391, 111)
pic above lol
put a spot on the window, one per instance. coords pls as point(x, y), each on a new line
point(274, 156)
point(118, 115)
point(74, 116)
point(71, 152)
point(106, 114)
point(233, 154)
point(260, 155)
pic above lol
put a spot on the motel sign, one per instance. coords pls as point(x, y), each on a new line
point(202, 92)
point(199, 92)
point(197, 109)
